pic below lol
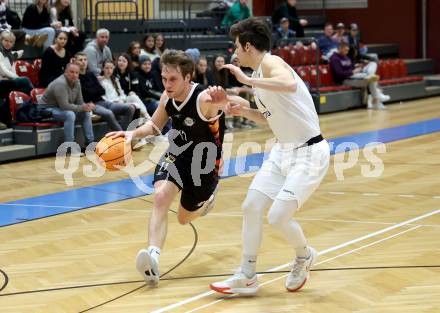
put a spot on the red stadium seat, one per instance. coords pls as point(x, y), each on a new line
point(37, 65)
point(313, 76)
point(395, 68)
point(285, 54)
point(326, 75)
point(25, 69)
point(304, 73)
point(402, 68)
point(36, 94)
point(17, 98)
point(301, 58)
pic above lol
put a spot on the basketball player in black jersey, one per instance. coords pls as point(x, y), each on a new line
point(192, 161)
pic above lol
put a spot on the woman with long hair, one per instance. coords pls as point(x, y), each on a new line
point(124, 73)
point(220, 74)
point(203, 75)
point(159, 43)
point(54, 60)
point(115, 93)
point(149, 48)
point(134, 51)
point(61, 12)
point(37, 21)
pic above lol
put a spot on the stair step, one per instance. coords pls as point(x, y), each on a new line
point(6, 137)
point(420, 66)
point(432, 90)
point(13, 152)
point(386, 50)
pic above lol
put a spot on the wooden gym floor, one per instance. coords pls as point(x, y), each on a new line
point(377, 236)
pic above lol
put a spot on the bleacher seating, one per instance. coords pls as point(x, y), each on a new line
point(25, 69)
point(17, 98)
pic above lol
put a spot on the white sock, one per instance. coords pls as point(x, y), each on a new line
point(154, 252)
point(248, 265)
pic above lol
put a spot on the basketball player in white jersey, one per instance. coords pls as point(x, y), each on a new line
point(296, 165)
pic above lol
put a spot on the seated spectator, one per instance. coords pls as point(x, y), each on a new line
point(92, 91)
point(194, 53)
point(64, 99)
point(9, 80)
point(326, 43)
point(358, 53)
point(288, 9)
point(115, 93)
point(97, 51)
point(284, 33)
point(37, 21)
point(21, 38)
point(54, 60)
point(149, 48)
point(221, 75)
point(156, 71)
point(239, 11)
point(148, 91)
point(346, 73)
point(63, 17)
point(125, 75)
point(340, 35)
point(134, 51)
point(159, 43)
point(203, 75)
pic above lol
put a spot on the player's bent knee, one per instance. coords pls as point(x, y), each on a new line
point(161, 199)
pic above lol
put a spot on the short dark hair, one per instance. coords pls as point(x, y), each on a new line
point(343, 44)
point(328, 24)
point(178, 59)
point(80, 53)
point(253, 30)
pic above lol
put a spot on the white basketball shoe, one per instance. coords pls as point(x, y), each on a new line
point(301, 271)
point(237, 284)
point(147, 267)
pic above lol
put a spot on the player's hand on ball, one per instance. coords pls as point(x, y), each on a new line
point(127, 134)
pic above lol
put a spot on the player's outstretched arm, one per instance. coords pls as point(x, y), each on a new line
point(151, 127)
point(211, 101)
point(277, 76)
point(241, 107)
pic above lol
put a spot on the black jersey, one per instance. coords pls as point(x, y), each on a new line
point(190, 127)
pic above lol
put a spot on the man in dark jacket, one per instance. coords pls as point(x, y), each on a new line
point(288, 9)
point(92, 91)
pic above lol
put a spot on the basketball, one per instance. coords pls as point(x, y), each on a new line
point(113, 153)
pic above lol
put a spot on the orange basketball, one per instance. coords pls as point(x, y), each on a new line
point(113, 153)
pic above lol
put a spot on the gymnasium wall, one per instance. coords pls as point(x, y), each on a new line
point(383, 21)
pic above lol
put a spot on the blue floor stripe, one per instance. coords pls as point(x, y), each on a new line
point(67, 201)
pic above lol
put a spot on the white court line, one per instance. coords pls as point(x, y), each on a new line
point(322, 262)
point(42, 205)
point(331, 249)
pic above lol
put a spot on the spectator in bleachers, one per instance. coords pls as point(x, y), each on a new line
point(344, 72)
point(134, 51)
point(92, 91)
point(358, 53)
point(284, 33)
point(288, 10)
point(97, 51)
point(203, 75)
point(148, 91)
point(156, 71)
point(340, 34)
point(9, 80)
point(21, 38)
point(54, 60)
point(62, 13)
point(64, 99)
point(239, 11)
point(326, 43)
point(125, 75)
point(115, 93)
point(149, 48)
point(37, 21)
point(159, 43)
point(220, 74)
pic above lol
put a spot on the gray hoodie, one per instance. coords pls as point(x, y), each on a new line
point(96, 57)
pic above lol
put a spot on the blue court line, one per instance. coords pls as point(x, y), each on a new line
point(77, 199)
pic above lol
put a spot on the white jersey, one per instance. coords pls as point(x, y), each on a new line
point(291, 115)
